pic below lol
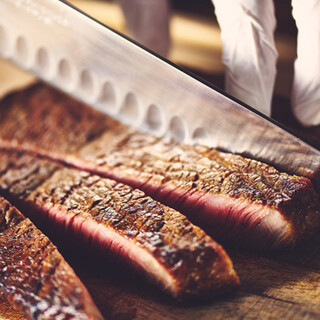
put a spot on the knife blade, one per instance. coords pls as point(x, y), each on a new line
point(93, 63)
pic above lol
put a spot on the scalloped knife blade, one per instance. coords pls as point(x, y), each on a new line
point(93, 63)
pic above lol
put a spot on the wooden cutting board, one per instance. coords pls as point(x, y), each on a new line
point(284, 285)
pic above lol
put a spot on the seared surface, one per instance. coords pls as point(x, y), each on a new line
point(39, 117)
point(34, 277)
point(238, 200)
point(115, 218)
point(233, 197)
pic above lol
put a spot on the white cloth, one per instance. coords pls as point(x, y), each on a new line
point(248, 50)
point(306, 83)
point(148, 22)
point(249, 53)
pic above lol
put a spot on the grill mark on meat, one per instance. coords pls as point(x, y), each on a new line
point(259, 181)
point(178, 158)
point(23, 178)
point(26, 176)
point(34, 277)
point(65, 198)
point(126, 221)
point(266, 177)
point(226, 189)
point(8, 218)
point(5, 166)
point(124, 206)
point(27, 185)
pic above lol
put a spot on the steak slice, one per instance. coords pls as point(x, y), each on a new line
point(237, 200)
point(34, 277)
point(114, 218)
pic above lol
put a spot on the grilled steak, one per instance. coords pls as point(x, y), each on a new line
point(236, 199)
point(34, 277)
point(115, 218)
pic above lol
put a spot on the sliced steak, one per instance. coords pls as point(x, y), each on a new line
point(236, 199)
point(115, 218)
point(34, 277)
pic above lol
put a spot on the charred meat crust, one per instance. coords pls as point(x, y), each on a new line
point(34, 277)
point(236, 199)
point(38, 116)
point(114, 217)
point(233, 197)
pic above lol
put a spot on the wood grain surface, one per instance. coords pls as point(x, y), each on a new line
point(284, 285)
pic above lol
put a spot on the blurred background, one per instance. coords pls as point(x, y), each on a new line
point(195, 37)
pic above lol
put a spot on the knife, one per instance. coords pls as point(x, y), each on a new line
point(84, 58)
